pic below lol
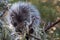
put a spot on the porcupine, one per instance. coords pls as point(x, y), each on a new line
point(25, 18)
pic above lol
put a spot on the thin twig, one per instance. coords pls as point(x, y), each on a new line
point(48, 27)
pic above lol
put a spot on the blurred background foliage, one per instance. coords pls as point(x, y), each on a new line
point(49, 12)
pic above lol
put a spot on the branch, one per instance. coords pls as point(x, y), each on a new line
point(48, 27)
